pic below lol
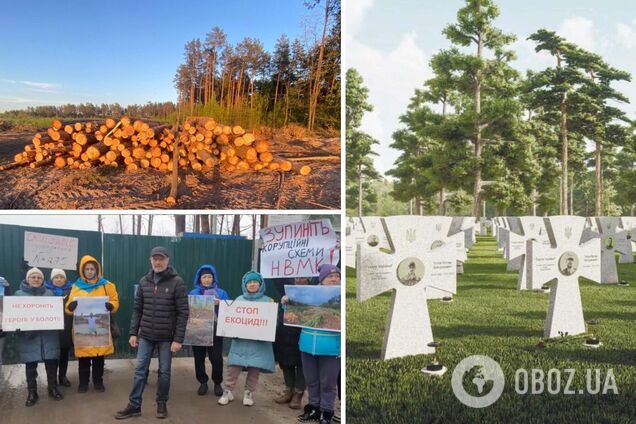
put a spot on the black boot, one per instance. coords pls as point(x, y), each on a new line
point(99, 386)
point(32, 397)
point(312, 413)
point(218, 390)
point(127, 412)
point(54, 392)
point(203, 389)
point(162, 410)
point(326, 417)
point(63, 381)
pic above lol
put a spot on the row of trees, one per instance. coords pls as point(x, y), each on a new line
point(159, 110)
point(480, 131)
point(299, 82)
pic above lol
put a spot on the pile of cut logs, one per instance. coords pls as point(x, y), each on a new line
point(200, 144)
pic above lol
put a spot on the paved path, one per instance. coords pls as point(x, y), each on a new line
point(185, 406)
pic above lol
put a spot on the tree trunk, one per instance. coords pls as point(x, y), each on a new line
point(599, 186)
point(121, 224)
point(179, 224)
point(138, 225)
point(442, 202)
point(564, 148)
point(150, 219)
point(477, 186)
point(205, 224)
point(360, 189)
point(275, 99)
point(236, 225)
point(316, 88)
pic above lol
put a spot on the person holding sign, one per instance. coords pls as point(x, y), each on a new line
point(159, 320)
point(256, 355)
point(91, 283)
point(320, 351)
point(287, 353)
point(5, 290)
point(206, 283)
point(60, 286)
point(38, 346)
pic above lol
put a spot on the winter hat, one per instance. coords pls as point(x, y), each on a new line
point(34, 270)
point(326, 269)
point(56, 271)
point(205, 271)
point(249, 276)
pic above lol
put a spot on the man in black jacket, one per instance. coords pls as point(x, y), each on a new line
point(159, 321)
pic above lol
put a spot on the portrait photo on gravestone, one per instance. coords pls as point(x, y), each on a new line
point(490, 212)
point(233, 316)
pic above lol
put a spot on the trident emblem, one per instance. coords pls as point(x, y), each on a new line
point(438, 227)
point(410, 235)
point(568, 232)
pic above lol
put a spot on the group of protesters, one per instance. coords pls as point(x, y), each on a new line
point(308, 358)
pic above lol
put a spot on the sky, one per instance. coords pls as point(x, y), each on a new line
point(163, 225)
point(72, 51)
point(390, 42)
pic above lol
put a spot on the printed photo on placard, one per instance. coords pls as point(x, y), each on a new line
point(200, 327)
point(313, 307)
point(91, 322)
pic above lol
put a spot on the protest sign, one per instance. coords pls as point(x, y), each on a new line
point(50, 251)
point(29, 313)
point(315, 307)
point(248, 320)
point(200, 327)
point(298, 249)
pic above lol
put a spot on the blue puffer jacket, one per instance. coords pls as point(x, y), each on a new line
point(37, 346)
point(200, 290)
point(319, 342)
point(252, 353)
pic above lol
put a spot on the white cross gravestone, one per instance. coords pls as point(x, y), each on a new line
point(629, 225)
point(613, 241)
point(565, 262)
point(433, 233)
point(535, 236)
point(484, 226)
point(367, 230)
point(411, 273)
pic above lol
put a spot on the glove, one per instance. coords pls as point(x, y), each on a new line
point(72, 305)
point(109, 306)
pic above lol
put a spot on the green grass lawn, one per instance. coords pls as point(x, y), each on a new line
point(489, 316)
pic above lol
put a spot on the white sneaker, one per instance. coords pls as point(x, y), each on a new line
point(226, 398)
point(247, 398)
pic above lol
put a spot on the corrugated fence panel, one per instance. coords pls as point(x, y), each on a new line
point(13, 268)
point(126, 259)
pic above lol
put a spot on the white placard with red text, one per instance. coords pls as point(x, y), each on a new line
point(29, 313)
point(248, 320)
point(50, 251)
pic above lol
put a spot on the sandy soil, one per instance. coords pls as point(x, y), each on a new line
point(107, 188)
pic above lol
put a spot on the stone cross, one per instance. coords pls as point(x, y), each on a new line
point(629, 225)
point(366, 230)
point(564, 263)
point(612, 241)
point(411, 272)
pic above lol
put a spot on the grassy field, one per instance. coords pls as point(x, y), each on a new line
point(490, 317)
